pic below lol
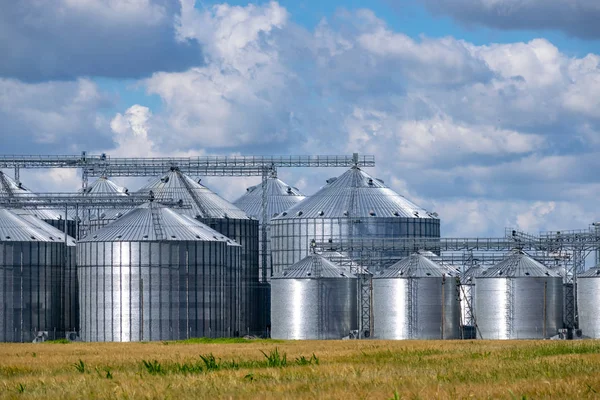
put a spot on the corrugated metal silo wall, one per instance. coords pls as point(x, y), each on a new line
point(245, 232)
point(132, 291)
point(70, 289)
point(31, 276)
point(518, 308)
point(290, 238)
point(323, 308)
point(416, 308)
point(588, 301)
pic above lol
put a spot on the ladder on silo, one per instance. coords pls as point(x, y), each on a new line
point(510, 307)
point(5, 185)
point(191, 192)
point(156, 222)
point(366, 291)
point(315, 272)
point(412, 304)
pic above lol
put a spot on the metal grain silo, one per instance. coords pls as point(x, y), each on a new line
point(313, 299)
point(155, 274)
point(10, 188)
point(222, 216)
point(31, 268)
point(70, 288)
point(588, 302)
point(519, 298)
point(353, 205)
point(416, 299)
point(95, 218)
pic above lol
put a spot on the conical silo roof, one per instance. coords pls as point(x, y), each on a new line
point(53, 232)
point(104, 185)
point(13, 228)
point(154, 222)
point(593, 272)
point(355, 194)
point(518, 265)
point(204, 203)
point(10, 188)
point(414, 266)
point(312, 267)
point(280, 197)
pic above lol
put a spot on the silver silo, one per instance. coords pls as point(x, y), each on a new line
point(8, 187)
point(416, 299)
point(279, 196)
point(97, 218)
point(222, 216)
point(519, 298)
point(70, 287)
point(353, 205)
point(588, 302)
point(155, 274)
point(31, 267)
point(313, 299)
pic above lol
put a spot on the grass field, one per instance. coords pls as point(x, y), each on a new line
point(310, 369)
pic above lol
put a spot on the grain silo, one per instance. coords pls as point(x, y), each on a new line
point(222, 216)
point(313, 299)
point(31, 271)
point(416, 299)
point(69, 299)
point(519, 298)
point(10, 188)
point(353, 205)
point(155, 274)
point(95, 218)
point(588, 302)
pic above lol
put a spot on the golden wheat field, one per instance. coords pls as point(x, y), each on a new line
point(240, 369)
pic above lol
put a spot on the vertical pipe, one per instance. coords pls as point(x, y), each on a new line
point(443, 306)
point(141, 309)
point(64, 302)
point(21, 292)
point(545, 305)
point(359, 306)
point(77, 221)
point(372, 319)
point(187, 292)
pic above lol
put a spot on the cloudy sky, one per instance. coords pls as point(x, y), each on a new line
point(486, 111)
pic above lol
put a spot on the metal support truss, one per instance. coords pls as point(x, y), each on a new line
point(103, 165)
point(59, 201)
point(588, 240)
point(265, 222)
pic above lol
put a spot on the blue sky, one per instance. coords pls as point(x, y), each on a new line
point(407, 16)
point(485, 111)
